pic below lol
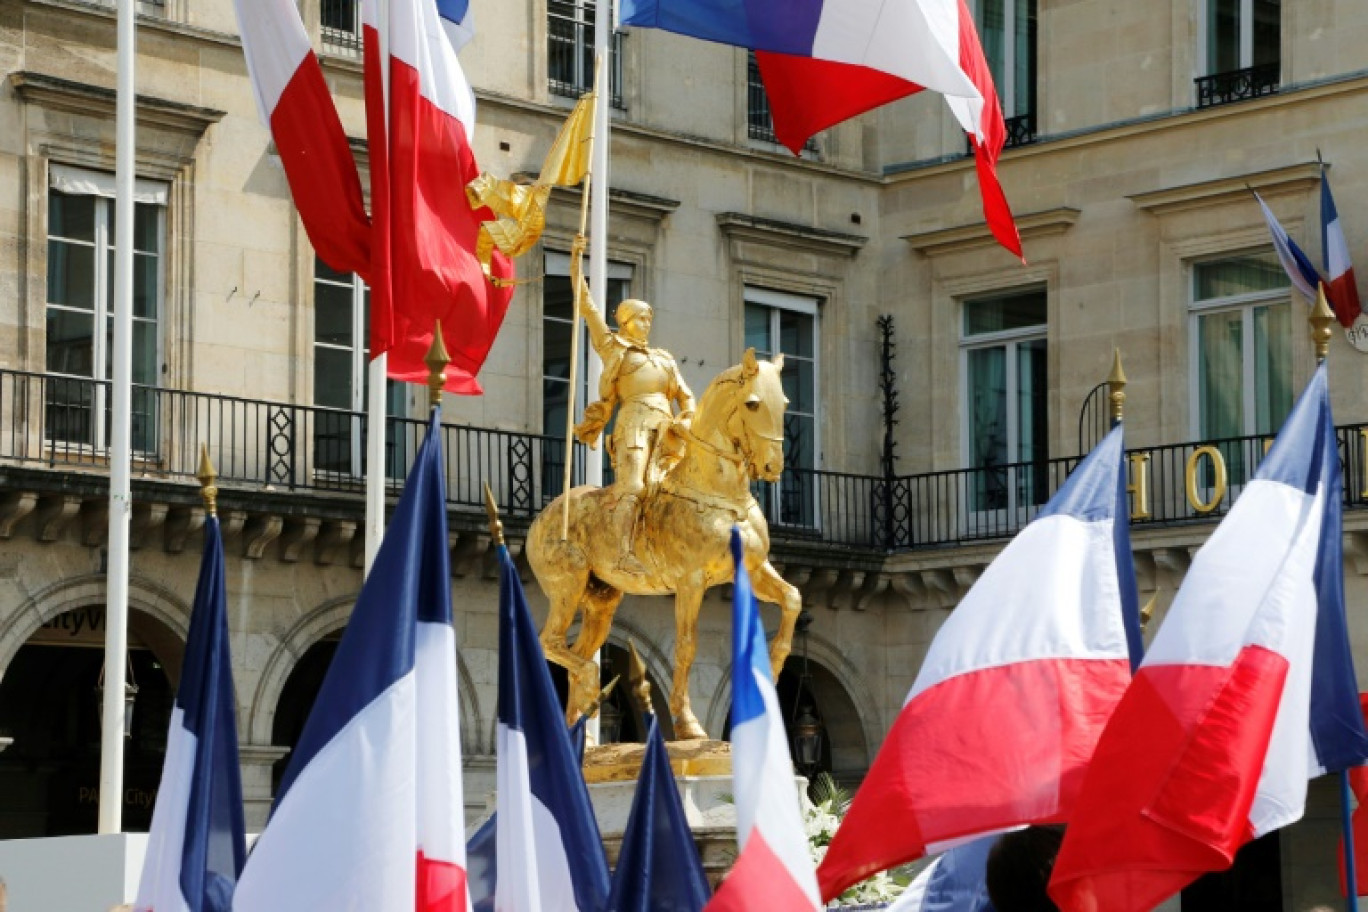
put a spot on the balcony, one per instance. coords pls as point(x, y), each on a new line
point(267, 452)
point(1238, 85)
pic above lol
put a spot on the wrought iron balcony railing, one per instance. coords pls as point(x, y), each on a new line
point(1238, 85)
point(61, 422)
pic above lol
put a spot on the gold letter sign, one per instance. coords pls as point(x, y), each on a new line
point(1218, 486)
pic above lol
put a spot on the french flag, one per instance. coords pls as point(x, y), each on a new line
point(955, 882)
point(370, 812)
point(1340, 288)
point(196, 847)
point(825, 61)
point(1246, 692)
point(424, 259)
point(1015, 689)
point(1295, 262)
point(294, 104)
point(773, 869)
point(548, 852)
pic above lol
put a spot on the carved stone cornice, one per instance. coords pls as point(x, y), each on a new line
point(57, 94)
point(1291, 179)
point(967, 237)
point(738, 227)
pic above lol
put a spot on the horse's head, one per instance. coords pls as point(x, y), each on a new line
point(757, 425)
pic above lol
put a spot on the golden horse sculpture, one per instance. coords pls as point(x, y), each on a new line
point(684, 530)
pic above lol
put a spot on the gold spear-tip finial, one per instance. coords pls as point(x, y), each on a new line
point(1147, 612)
point(1321, 319)
point(437, 360)
point(640, 684)
point(492, 509)
point(207, 477)
point(1116, 385)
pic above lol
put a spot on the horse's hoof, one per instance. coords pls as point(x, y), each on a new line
point(688, 729)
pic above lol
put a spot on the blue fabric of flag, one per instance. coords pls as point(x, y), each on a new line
point(959, 883)
point(1337, 730)
point(658, 869)
point(1294, 459)
point(409, 581)
point(1300, 272)
point(1329, 215)
point(748, 642)
point(453, 10)
point(1096, 491)
point(215, 845)
point(482, 849)
point(528, 703)
point(784, 26)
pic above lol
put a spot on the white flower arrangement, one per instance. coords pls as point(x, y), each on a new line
point(821, 817)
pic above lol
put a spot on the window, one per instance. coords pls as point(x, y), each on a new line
point(558, 310)
point(80, 307)
point(570, 51)
point(1008, 30)
point(759, 120)
point(778, 322)
point(342, 378)
point(1241, 50)
point(1007, 414)
point(340, 27)
point(1241, 347)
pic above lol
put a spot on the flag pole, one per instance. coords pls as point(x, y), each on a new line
point(598, 232)
point(589, 183)
point(1321, 319)
point(112, 710)
point(377, 417)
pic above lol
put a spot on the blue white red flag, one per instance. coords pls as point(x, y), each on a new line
point(825, 61)
point(549, 853)
point(370, 811)
point(457, 21)
point(424, 266)
point(1015, 689)
point(1340, 288)
point(294, 103)
point(773, 869)
point(1246, 692)
point(955, 882)
point(658, 868)
point(1295, 262)
point(196, 847)
point(482, 849)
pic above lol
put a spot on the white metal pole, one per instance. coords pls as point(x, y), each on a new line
point(376, 400)
point(120, 456)
point(598, 233)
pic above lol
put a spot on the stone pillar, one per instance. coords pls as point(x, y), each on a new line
point(257, 761)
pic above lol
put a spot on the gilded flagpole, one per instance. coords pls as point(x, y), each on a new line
point(576, 291)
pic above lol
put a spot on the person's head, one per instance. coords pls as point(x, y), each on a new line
point(1019, 867)
point(634, 319)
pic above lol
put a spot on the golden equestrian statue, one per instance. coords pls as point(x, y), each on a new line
point(681, 483)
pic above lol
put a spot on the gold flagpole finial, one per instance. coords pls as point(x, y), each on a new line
point(437, 360)
point(1116, 385)
point(1321, 319)
point(640, 689)
point(492, 509)
point(207, 477)
point(1147, 612)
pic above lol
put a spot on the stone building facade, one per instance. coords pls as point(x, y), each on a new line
point(1136, 129)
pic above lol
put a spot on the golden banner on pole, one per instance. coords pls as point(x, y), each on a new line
point(522, 207)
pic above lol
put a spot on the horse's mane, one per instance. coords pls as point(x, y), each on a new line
point(710, 395)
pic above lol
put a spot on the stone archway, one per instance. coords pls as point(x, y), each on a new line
point(49, 706)
point(325, 623)
point(847, 709)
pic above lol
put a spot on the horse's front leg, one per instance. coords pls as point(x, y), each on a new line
point(771, 587)
point(688, 601)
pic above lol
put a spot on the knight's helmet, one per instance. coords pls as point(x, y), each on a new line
point(629, 309)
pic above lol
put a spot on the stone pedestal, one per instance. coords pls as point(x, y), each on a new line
point(708, 806)
point(703, 776)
